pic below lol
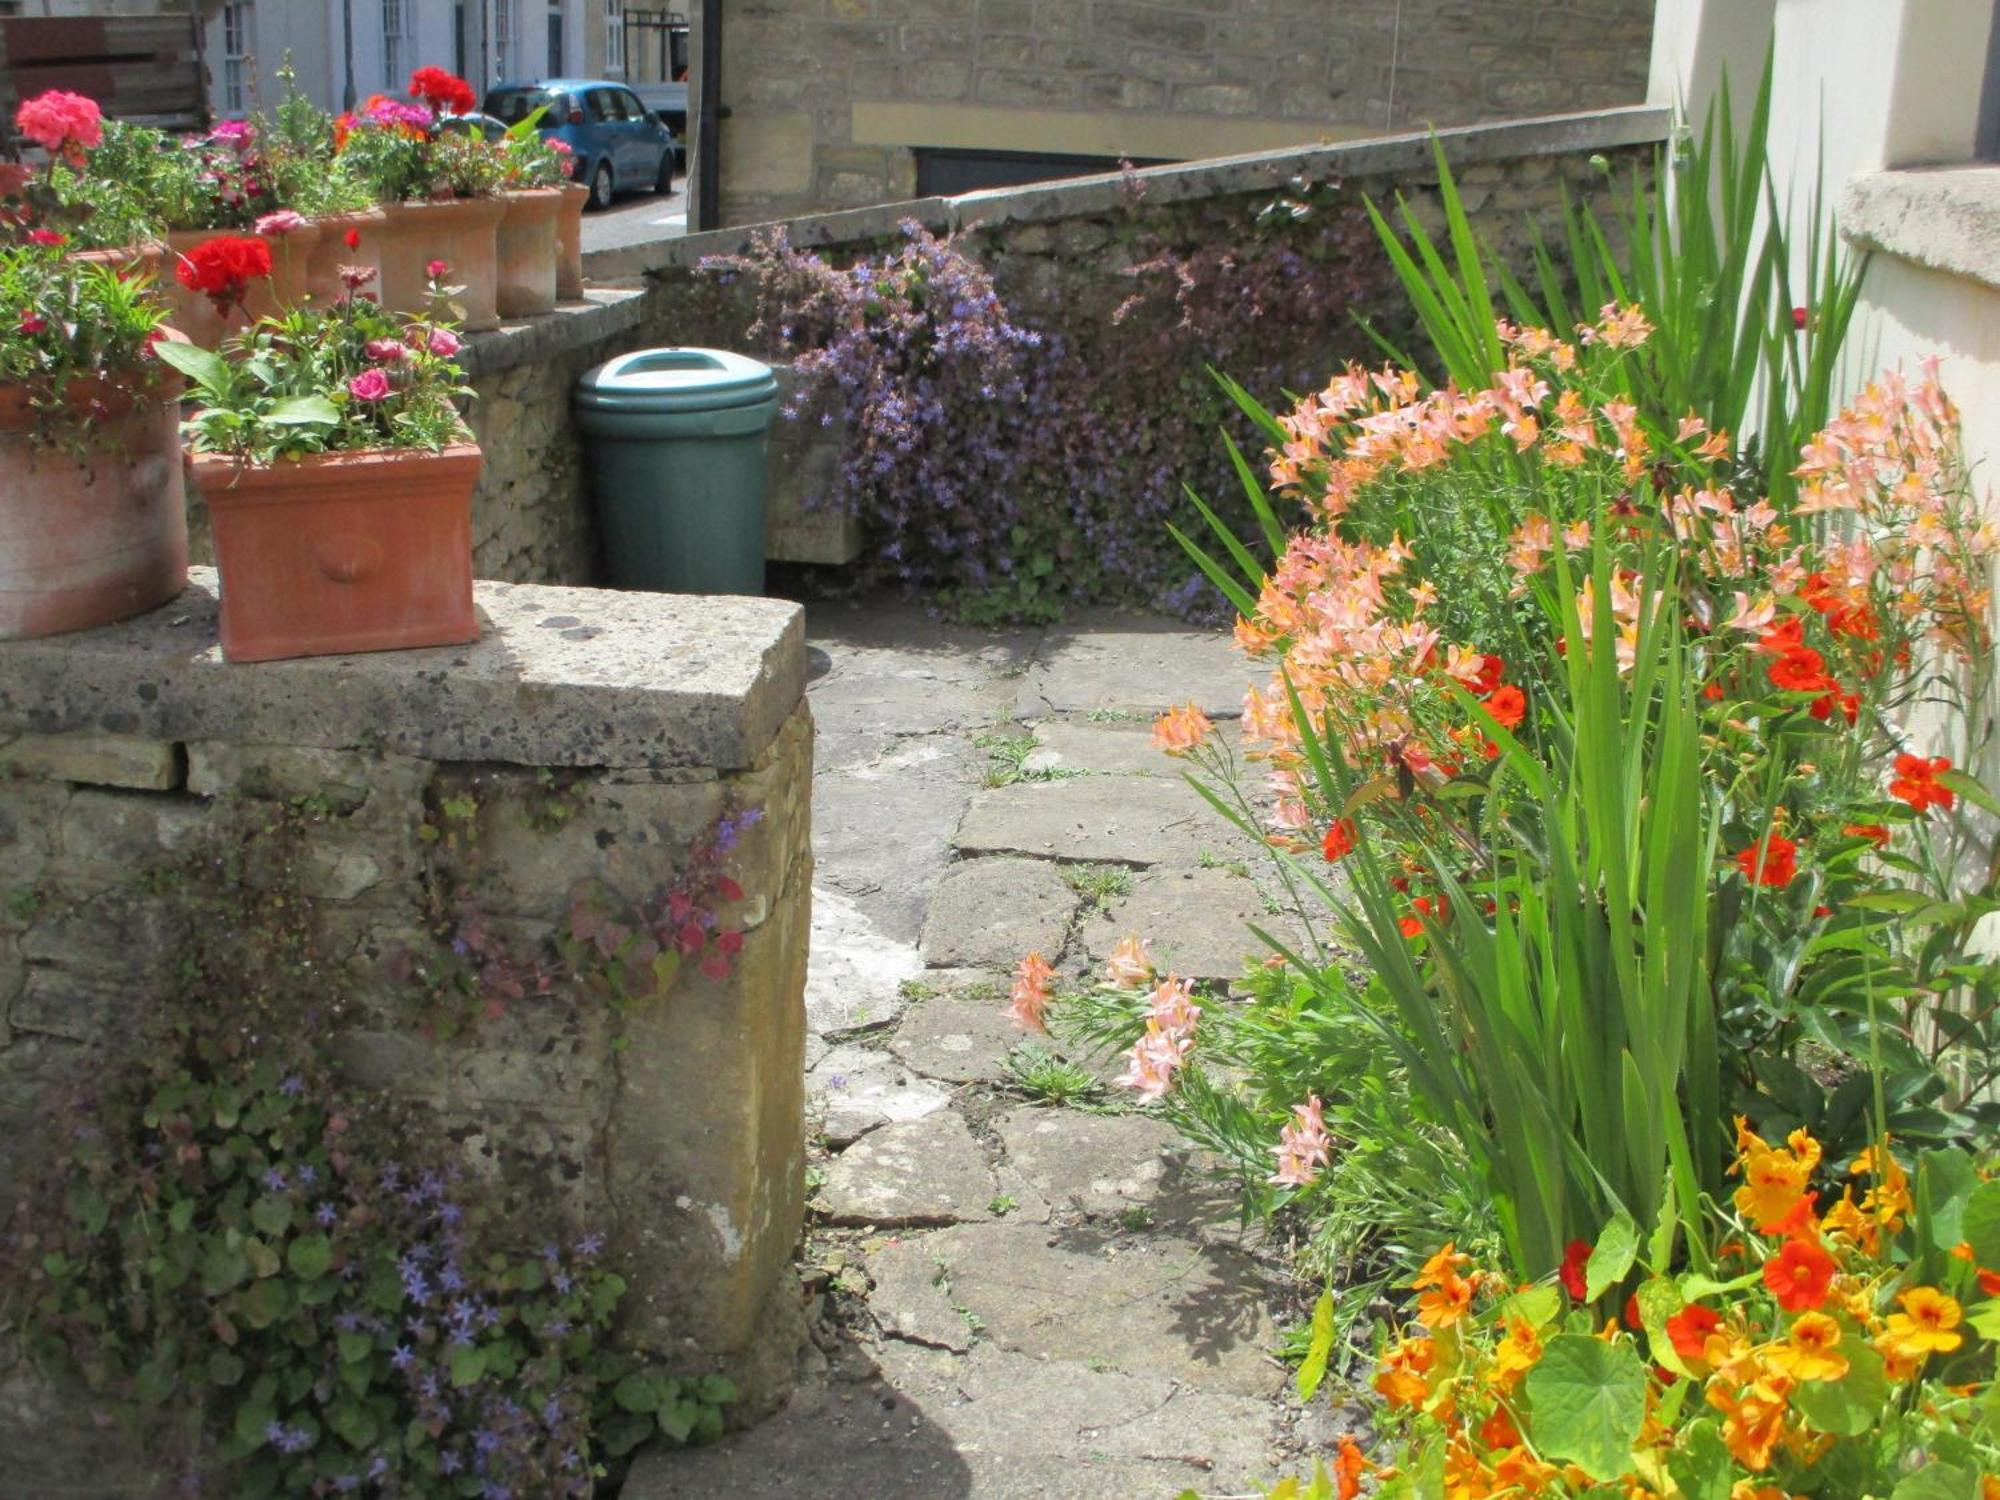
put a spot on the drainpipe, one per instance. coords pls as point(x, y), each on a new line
point(708, 163)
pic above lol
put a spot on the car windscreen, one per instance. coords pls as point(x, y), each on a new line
point(511, 106)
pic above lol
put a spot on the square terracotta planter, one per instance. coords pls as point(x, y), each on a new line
point(343, 552)
point(527, 251)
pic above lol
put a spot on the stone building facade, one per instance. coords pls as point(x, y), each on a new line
point(837, 103)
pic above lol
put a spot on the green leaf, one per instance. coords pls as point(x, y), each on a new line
point(716, 1390)
point(1616, 1249)
point(1984, 1319)
point(1949, 1179)
point(1589, 1402)
point(181, 1215)
point(204, 367)
point(1852, 1405)
point(1701, 1464)
point(1537, 1306)
point(310, 1256)
point(303, 411)
point(224, 1368)
point(263, 1259)
point(266, 1302)
point(468, 1363)
point(271, 1214)
point(1938, 1482)
point(222, 1269)
point(355, 1347)
point(253, 1417)
point(677, 1418)
point(638, 1392)
point(1312, 1370)
point(1981, 1224)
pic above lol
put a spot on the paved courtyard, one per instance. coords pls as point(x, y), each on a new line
point(1019, 1300)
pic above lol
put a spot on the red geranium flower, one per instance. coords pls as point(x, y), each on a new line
point(1801, 670)
point(223, 268)
point(47, 237)
point(1772, 861)
point(444, 92)
point(1576, 1255)
point(1799, 1275)
point(1916, 783)
point(1508, 705)
point(1339, 840)
point(1490, 670)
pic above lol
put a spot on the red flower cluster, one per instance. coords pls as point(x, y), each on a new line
point(223, 268)
point(1773, 860)
point(1842, 618)
point(1339, 840)
point(1916, 783)
point(444, 92)
point(1800, 669)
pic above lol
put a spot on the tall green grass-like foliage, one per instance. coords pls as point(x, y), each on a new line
point(1751, 305)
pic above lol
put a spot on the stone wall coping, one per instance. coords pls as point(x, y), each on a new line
point(1947, 218)
point(603, 314)
point(559, 677)
point(1259, 171)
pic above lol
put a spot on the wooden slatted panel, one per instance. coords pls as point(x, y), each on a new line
point(135, 67)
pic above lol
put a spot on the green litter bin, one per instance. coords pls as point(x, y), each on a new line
point(675, 443)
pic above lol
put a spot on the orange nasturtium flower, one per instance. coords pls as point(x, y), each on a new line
point(1799, 1275)
point(1916, 783)
point(1400, 1377)
point(1774, 1179)
point(1690, 1327)
point(1811, 1350)
point(1773, 860)
point(1928, 1324)
point(1348, 1468)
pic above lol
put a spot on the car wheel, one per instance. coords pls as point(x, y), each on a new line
point(600, 186)
point(664, 183)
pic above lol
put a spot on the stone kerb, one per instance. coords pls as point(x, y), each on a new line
point(589, 737)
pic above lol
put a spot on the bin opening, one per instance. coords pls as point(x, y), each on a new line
point(670, 361)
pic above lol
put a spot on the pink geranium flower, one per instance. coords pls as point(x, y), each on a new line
point(60, 121)
point(280, 222)
point(369, 385)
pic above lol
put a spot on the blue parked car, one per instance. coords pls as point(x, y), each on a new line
point(616, 143)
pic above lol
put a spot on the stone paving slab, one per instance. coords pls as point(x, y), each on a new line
point(957, 1038)
point(986, 913)
point(1096, 1164)
point(862, 1088)
point(987, 1426)
point(1114, 748)
point(882, 833)
point(1157, 1303)
point(927, 1171)
point(1196, 923)
point(911, 1299)
point(856, 972)
point(1136, 667)
point(1128, 820)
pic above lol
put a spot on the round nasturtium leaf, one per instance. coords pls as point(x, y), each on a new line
point(1589, 1402)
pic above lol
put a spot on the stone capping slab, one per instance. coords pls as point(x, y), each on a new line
point(991, 208)
point(1946, 218)
point(559, 677)
point(603, 313)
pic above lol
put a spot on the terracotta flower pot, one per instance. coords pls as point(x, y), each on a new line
point(331, 253)
point(527, 251)
point(569, 242)
point(461, 232)
point(88, 540)
point(340, 552)
point(149, 258)
point(196, 315)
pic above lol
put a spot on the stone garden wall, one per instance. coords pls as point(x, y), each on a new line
point(422, 825)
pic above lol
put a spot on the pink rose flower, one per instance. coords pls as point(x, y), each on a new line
point(60, 119)
point(444, 343)
point(436, 270)
point(387, 351)
point(281, 221)
point(369, 385)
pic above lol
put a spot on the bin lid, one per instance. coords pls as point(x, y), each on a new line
point(677, 380)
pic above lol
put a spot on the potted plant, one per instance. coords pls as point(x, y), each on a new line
point(338, 472)
point(437, 188)
point(93, 522)
point(529, 244)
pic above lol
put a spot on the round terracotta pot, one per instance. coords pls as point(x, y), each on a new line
point(331, 254)
point(92, 538)
point(569, 242)
point(526, 251)
point(197, 316)
point(461, 232)
point(341, 552)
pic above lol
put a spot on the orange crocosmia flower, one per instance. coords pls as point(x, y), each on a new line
point(1916, 783)
point(1180, 730)
point(1339, 841)
point(1875, 833)
point(1508, 705)
point(1690, 1327)
point(1772, 861)
point(1799, 1275)
point(1928, 1323)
